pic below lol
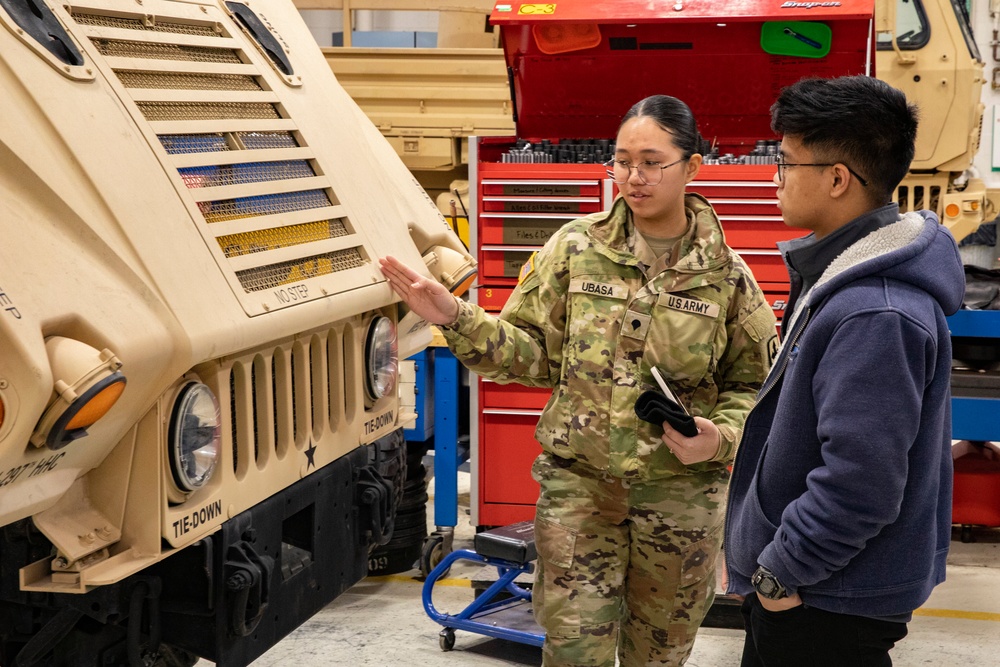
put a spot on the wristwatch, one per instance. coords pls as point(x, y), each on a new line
point(767, 585)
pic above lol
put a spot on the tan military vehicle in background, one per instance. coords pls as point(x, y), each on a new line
point(427, 102)
point(200, 415)
point(926, 49)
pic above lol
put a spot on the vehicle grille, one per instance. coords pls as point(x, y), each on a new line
point(281, 399)
point(913, 196)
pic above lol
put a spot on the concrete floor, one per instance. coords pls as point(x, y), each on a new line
point(381, 622)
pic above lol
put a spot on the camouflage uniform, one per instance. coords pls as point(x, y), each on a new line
point(627, 535)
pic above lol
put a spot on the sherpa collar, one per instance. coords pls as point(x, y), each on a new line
point(877, 244)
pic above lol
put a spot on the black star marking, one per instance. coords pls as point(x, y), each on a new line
point(311, 456)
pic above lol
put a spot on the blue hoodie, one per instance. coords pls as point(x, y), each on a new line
point(842, 482)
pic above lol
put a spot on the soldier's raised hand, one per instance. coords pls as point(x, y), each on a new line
point(427, 298)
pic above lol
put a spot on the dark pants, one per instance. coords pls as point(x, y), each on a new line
point(806, 636)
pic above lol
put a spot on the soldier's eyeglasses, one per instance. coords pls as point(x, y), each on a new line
point(782, 165)
point(650, 172)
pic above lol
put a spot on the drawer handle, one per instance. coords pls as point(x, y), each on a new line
point(512, 248)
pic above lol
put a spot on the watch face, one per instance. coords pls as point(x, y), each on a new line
point(767, 585)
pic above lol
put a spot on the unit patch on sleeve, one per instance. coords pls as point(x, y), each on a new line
point(598, 288)
point(527, 269)
point(688, 305)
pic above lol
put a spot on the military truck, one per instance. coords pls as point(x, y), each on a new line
point(926, 49)
point(200, 414)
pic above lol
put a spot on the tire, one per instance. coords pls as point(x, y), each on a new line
point(388, 455)
point(386, 560)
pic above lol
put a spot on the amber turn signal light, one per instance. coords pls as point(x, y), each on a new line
point(98, 406)
point(86, 385)
point(93, 404)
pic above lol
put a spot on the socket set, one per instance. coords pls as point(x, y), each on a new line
point(583, 151)
point(599, 151)
point(764, 152)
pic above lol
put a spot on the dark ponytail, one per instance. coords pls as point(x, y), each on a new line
point(673, 116)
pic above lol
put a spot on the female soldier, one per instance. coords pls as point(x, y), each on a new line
point(628, 524)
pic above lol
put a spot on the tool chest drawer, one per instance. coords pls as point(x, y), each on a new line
point(766, 265)
point(576, 205)
point(759, 233)
point(541, 188)
point(728, 208)
point(519, 228)
point(512, 396)
point(505, 470)
point(501, 265)
point(493, 299)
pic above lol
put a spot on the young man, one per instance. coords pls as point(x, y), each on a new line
point(840, 504)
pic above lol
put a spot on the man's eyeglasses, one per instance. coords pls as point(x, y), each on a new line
point(782, 165)
point(650, 172)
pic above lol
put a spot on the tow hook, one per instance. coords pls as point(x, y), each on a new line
point(375, 497)
point(247, 576)
point(145, 595)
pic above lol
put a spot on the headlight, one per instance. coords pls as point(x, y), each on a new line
point(194, 436)
point(381, 363)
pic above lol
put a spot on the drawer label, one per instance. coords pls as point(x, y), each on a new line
point(529, 231)
point(542, 189)
point(513, 262)
point(541, 206)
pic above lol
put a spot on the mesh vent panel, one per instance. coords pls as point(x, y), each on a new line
point(154, 111)
point(137, 24)
point(201, 54)
point(247, 207)
point(209, 143)
point(273, 275)
point(251, 172)
point(267, 140)
point(185, 81)
point(193, 143)
point(235, 245)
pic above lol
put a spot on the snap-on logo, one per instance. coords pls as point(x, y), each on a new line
point(808, 5)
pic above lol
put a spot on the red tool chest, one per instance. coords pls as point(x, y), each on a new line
point(575, 69)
